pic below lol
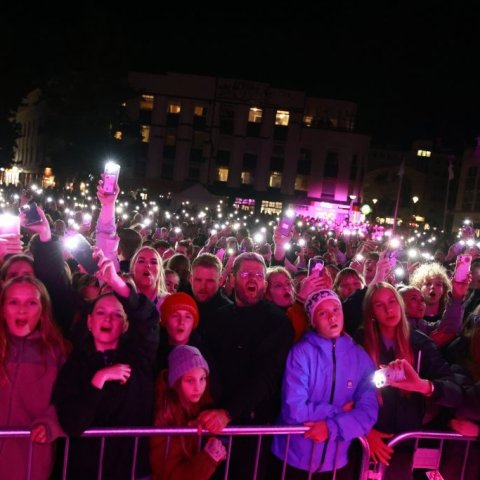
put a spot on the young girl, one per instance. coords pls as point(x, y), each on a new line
point(32, 351)
point(181, 395)
point(328, 387)
point(389, 340)
point(108, 381)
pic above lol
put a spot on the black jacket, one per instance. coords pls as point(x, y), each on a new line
point(81, 406)
point(250, 346)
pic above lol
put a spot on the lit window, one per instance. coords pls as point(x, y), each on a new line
point(301, 183)
point(255, 115)
point(173, 108)
point(146, 102)
point(308, 120)
point(271, 208)
point(275, 180)
point(282, 117)
point(222, 174)
point(145, 132)
point(424, 153)
point(247, 178)
point(117, 135)
point(199, 111)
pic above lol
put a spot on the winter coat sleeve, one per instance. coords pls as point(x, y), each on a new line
point(447, 384)
point(359, 421)
point(49, 268)
point(297, 406)
point(75, 398)
point(175, 464)
point(451, 321)
point(144, 322)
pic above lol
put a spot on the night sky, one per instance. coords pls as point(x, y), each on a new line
point(411, 67)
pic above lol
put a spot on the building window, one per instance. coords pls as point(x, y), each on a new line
point(304, 164)
point(223, 158)
point(170, 140)
point(247, 177)
point(174, 108)
point(275, 180)
point(301, 183)
point(424, 153)
point(308, 120)
point(193, 173)
point(198, 140)
point(328, 190)
point(118, 135)
point(249, 161)
point(199, 111)
point(146, 102)
point(246, 204)
point(282, 118)
point(227, 117)
point(255, 115)
point(145, 132)
point(271, 208)
point(331, 165)
point(222, 174)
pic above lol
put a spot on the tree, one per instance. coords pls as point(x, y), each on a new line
point(85, 108)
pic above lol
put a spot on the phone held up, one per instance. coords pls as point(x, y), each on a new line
point(286, 223)
point(463, 268)
point(110, 177)
point(315, 266)
point(9, 224)
point(31, 213)
point(82, 252)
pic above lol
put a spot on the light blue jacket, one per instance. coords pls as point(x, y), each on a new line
point(321, 376)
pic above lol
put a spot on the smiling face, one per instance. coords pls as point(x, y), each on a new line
point(22, 309)
point(328, 319)
point(107, 322)
point(193, 384)
point(179, 325)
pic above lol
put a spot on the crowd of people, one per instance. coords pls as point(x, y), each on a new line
point(183, 322)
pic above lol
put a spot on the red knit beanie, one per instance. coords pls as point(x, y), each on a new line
point(178, 301)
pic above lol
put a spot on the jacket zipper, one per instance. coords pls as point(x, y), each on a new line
point(332, 395)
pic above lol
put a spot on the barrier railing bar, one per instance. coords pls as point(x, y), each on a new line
point(100, 463)
point(257, 456)
point(65, 458)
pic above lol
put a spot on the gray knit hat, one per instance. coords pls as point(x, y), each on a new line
point(182, 359)
point(316, 298)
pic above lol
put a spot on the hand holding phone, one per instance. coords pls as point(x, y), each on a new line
point(315, 266)
point(82, 252)
point(286, 223)
point(110, 177)
point(31, 213)
point(9, 224)
point(462, 268)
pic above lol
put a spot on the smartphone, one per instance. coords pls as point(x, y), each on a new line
point(31, 213)
point(462, 268)
point(286, 224)
point(81, 251)
point(9, 224)
point(315, 266)
point(110, 177)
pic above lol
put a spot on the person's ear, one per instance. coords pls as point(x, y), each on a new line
point(125, 326)
point(89, 322)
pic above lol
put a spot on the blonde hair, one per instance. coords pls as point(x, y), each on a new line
point(161, 288)
point(432, 269)
point(372, 339)
point(51, 339)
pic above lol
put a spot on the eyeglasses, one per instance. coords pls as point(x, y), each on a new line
point(256, 275)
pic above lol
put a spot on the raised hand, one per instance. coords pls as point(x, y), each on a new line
point(39, 434)
point(213, 420)
point(119, 372)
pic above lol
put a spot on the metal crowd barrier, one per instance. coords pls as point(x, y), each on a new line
point(428, 458)
point(229, 432)
point(425, 458)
